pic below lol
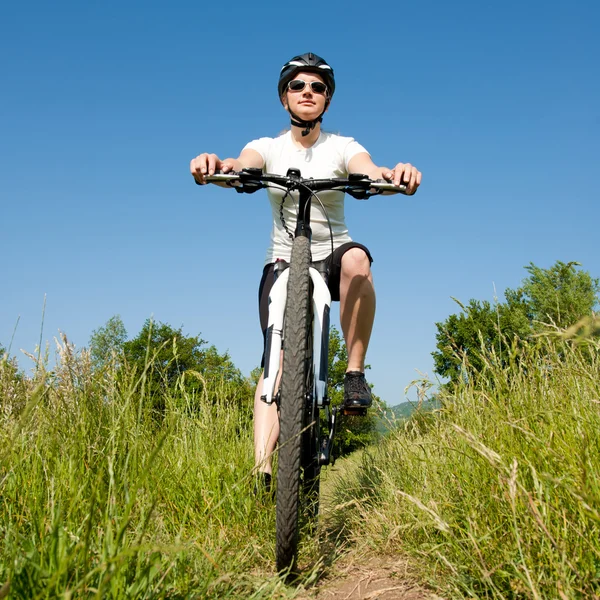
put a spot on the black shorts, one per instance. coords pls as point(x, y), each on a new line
point(334, 266)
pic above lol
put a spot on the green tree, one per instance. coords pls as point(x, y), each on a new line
point(165, 353)
point(560, 295)
point(107, 342)
point(169, 358)
point(479, 330)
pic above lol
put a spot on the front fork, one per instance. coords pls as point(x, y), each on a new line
point(321, 300)
point(321, 308)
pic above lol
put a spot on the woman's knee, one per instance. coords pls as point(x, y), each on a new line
point(356, 262)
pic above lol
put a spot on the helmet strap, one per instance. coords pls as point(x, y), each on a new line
point(308, 125)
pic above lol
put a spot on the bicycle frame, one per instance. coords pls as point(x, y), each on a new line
point(321, 306)
point(305, 366)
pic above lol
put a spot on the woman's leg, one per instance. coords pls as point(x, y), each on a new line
point(357, 306)
point(266, 430)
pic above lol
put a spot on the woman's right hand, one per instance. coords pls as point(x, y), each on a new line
point(208, 164)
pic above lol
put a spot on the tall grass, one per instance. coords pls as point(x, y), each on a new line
point(498, 493)
point(100, 497)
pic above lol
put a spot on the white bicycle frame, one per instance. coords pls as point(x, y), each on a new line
point(321, 302)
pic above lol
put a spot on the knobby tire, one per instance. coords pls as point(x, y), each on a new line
point(311, 440)
point(292, 407)
point(311, 469)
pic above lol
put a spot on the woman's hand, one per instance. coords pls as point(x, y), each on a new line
point(208, 164)
point(404, 173)
point(401, 173)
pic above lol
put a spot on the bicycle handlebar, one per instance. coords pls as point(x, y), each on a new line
point(358, 186)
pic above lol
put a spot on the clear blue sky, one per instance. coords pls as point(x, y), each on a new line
point(103, 104)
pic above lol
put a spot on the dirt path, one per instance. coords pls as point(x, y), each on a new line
point(362, 576)
point(370, 578)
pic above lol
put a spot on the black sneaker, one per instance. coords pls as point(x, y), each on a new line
point(357, 393)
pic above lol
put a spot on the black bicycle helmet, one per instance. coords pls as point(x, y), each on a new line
point(311, 63)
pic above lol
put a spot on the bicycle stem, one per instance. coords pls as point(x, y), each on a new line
point(303, 223)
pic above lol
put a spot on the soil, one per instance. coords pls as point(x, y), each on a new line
point(363, 575)
point(370, 578)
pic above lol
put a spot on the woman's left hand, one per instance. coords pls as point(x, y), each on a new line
point(404, 173)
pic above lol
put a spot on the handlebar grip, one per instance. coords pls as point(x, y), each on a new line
point(246, 181)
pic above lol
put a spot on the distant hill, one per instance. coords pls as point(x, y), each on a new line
point(406, 409)
point(402, 412)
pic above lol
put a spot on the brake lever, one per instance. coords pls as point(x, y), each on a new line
point(359, 192)
point(356, 177)
point(249, 181)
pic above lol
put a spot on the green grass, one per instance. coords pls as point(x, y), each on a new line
point(497, 495)
point(101, 497)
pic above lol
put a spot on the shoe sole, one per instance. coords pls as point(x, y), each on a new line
point(358, 411)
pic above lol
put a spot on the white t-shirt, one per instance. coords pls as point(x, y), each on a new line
point(327, 157)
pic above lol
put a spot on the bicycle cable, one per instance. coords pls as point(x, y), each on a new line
point(314, 194)
point(327, 217)
point(281, 217)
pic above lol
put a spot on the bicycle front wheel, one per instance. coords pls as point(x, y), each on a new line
point(311, 469)
point(292, 404)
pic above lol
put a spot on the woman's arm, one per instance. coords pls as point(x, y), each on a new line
point(401, 173)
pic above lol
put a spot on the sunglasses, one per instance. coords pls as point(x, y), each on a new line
point(297, 85)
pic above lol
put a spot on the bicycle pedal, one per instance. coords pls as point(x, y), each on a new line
point(354, 412)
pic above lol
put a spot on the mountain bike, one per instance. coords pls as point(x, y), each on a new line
point(298, 327)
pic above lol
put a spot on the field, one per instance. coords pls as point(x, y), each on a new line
point(494, 495)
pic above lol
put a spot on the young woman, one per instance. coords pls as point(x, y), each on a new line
point(306, 87)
